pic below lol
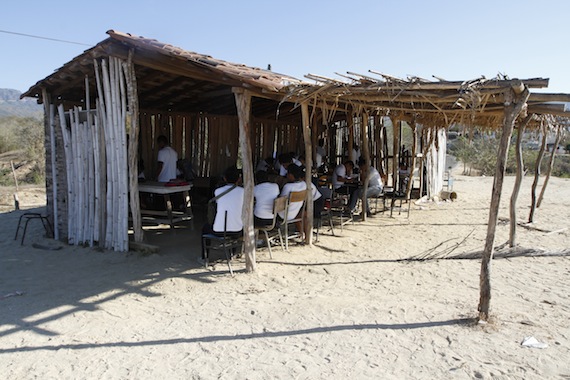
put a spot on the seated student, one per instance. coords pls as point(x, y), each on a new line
point(375, 182)
point(342, 176)
point(295, 177)
point(264, 193)
point(295, 159)
point(403, 177)
point(284, 162)
point(232, 202)
point(265, 165)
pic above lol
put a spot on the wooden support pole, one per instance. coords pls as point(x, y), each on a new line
point(350, 125)
point(315, 136)
point(366, 156)
point(385, 159)
point(396, 126)
point(133, 148)
point(550, 165)
point(539, 158)
point(243, 103)
point(518, 181)
point(16, 199)
point(513, 107)
point(49, 110)
point(413, 162)
point(308, 165)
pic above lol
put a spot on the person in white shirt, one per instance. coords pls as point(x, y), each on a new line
point(284, 161)
point(266, 165)
point(264, 193)
point(375, 182)
point(167, 159)
point(355, 154)
point(232, 203)
point(320, 153)
point(342, 177)
point(294, 175)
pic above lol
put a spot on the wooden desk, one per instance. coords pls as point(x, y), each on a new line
point(167, 216)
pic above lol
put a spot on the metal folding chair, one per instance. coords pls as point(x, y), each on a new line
point(230, 243)
point(294, 196)
point(279, 205)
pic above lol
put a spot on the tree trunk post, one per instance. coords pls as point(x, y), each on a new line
point(366, 156)
point(550, 165)
point(413, 163)
point(537, 172)
point(518, 181)
point(133, 148)
point(395, 152)
point(515, 100)
point(243, 103)
point(350, 125)
point(308, 165)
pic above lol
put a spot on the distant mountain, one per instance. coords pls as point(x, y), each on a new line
point(11, 105)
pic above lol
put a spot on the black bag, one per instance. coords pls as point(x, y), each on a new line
point(213, 205)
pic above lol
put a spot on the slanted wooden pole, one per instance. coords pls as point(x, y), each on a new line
point(539, 158)
point(16, 199)
point(550, 165)
point(514, 103)
point(243, 103)
point(365, 152)
point(306, 119)
point(518, 181)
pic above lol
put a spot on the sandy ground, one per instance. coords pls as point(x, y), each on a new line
point(345, 308)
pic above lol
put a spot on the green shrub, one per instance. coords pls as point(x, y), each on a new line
point(481, 154)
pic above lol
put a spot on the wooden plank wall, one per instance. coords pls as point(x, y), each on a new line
point(270, 138)
point(211, 142)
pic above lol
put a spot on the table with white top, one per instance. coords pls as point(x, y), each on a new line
point(168, 216)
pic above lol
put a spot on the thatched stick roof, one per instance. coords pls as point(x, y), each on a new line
point(479, 102)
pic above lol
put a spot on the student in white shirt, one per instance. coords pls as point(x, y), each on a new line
point(264, 193)
point(342, 176)
point(167, 159)
point(375, 182)
point(232, 203)
point(294, 175)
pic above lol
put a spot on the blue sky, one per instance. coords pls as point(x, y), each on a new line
point(455, 40)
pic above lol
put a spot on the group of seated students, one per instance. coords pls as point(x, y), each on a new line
point(270, 185)
point(229, 205)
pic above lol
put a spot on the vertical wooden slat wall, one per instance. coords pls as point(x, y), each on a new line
point(210, 142)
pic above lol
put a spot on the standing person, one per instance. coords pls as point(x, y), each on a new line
point(342, 177)
point(355, 154)
point(320, 153)
point(230, 202)
point(264, 193)
point(167, 159)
